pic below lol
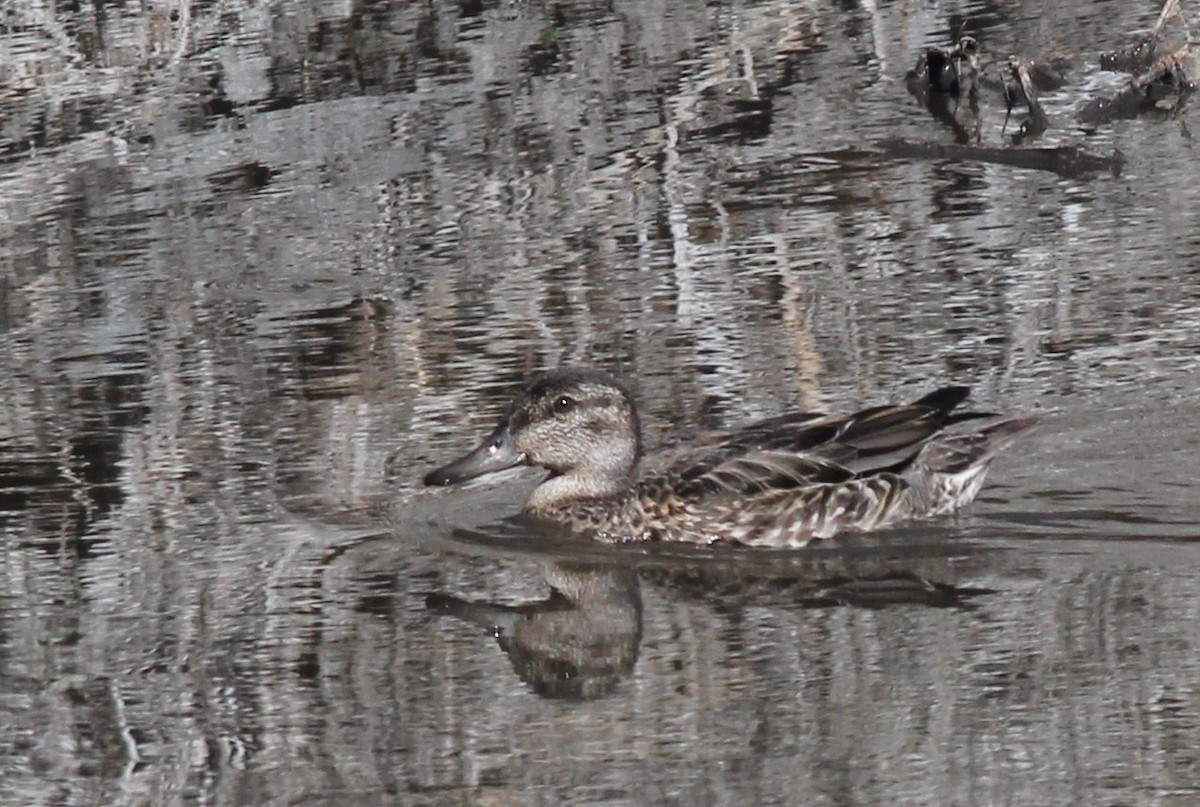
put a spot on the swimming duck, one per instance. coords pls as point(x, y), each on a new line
point(780, 482)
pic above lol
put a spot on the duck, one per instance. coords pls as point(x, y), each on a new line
point(782, 482)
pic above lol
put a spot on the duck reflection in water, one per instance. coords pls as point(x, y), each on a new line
point(578, 643)
point(583, 640)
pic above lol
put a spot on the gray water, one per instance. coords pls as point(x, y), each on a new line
point(263, 265)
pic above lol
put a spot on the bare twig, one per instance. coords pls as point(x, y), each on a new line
point(1025, 91)
point(1142, 53)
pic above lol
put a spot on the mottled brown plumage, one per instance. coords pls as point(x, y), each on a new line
point(780, 482)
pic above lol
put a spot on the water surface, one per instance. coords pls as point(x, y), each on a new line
point(262, 266)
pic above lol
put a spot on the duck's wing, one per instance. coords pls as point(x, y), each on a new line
point(807, 448)
point(877, 439)
point(735, 479)
point(759, 472)
point(796, 433)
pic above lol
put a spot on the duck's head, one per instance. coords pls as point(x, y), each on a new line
point(578, 423)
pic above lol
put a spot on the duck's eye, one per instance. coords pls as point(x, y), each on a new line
point(564, 403)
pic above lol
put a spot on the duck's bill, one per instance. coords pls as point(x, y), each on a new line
point(496, 453)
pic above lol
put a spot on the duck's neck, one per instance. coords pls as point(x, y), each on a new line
point(559, 492)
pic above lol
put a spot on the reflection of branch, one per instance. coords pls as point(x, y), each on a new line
point(46, 23)
point(185, 28)
point(797, 320)
point(1068, 161)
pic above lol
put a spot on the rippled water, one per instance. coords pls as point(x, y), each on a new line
point(262, 265)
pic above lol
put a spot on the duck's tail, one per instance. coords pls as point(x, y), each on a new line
point(949, 470)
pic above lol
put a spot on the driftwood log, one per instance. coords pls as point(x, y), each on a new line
point(1166, 80)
